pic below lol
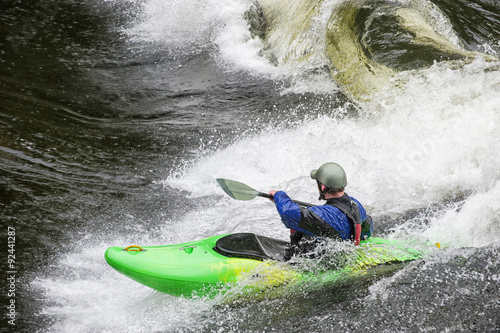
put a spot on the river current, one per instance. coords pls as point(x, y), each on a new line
point(116, 117)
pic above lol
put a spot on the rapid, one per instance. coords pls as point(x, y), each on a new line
point(117, 117)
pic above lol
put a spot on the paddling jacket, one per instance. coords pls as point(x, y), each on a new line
point(335, 219)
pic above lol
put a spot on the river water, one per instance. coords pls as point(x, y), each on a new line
point(117, 117)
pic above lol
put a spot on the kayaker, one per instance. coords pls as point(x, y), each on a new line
point(342, 217)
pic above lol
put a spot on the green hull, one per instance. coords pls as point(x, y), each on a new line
point(196, 269)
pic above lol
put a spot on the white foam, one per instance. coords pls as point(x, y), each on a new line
point(476, 224)
point(86, 295)
point(195, 24)
point(431, 141)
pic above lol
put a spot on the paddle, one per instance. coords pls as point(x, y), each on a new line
point(240, 191)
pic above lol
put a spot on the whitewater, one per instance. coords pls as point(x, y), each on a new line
point(132, 110)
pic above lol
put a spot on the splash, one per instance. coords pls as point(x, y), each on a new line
point(194, 26)
point(404, 154)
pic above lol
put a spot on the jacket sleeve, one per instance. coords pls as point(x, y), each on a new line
point(288, 210)
point(302, 219)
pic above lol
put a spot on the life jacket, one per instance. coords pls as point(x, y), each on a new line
point(319, 227)
point(350, 208)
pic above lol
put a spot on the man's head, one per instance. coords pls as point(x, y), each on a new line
point(332, 176)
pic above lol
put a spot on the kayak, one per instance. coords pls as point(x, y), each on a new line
point(215, 265)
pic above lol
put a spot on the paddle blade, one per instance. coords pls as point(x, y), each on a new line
point(237, 190)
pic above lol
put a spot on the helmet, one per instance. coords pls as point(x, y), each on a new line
point(331, 175)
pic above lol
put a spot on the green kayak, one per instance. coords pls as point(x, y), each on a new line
point(214, 265)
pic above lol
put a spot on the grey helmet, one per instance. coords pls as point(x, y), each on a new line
point(331, 175)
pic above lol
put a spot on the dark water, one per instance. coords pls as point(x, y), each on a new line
point(111, 134)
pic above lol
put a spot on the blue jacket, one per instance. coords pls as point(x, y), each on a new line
point(306, 220)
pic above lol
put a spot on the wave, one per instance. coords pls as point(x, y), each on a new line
point(364, 43)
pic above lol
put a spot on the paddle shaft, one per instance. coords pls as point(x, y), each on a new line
point(240, 191)
point(300, 203)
